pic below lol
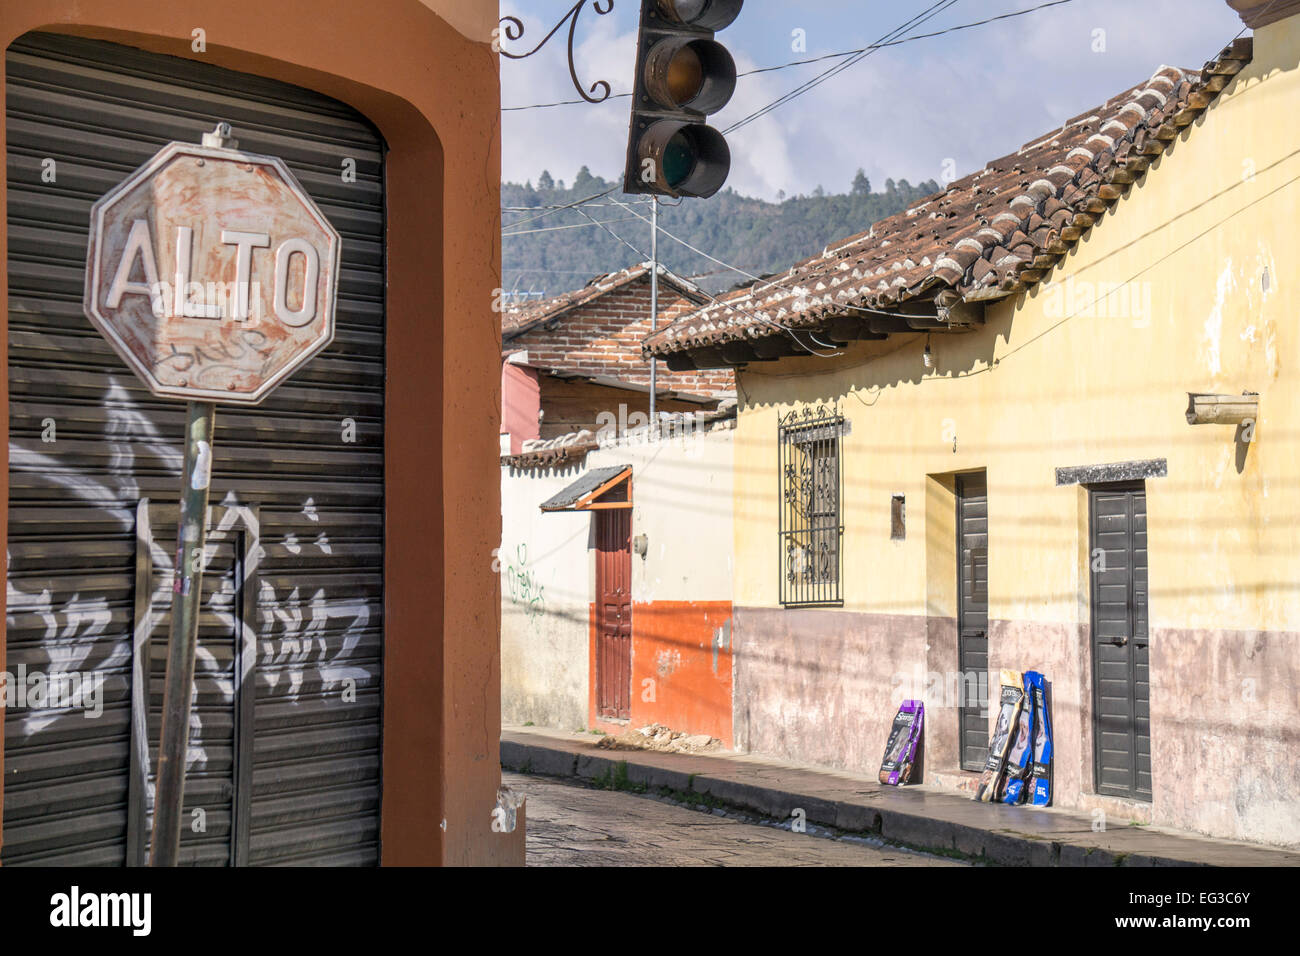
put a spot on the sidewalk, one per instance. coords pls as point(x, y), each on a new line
point(918, 816)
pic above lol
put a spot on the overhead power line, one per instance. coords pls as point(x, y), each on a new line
point(589, 205)
point(576, 225)
point(713, 298)
point(820, 59)
point(772, 282)
point(932, 11)
point(895, 37)
point(550, 210)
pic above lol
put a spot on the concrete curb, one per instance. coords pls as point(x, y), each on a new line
point(916, 817)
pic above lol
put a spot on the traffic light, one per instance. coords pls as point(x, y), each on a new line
point(682, 76)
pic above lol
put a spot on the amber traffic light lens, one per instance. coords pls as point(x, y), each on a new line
point(685, 75)
point(683, 72)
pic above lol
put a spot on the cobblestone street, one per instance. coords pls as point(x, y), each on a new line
point(571, 825)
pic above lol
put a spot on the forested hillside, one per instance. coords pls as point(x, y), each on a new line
point(758, 236)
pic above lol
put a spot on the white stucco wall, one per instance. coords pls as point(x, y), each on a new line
point(546, 571)
point(682, 502)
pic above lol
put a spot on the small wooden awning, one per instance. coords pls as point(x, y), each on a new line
point(598, 489)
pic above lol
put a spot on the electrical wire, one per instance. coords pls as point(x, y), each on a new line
point(699, 252)
point(932, 11)
point(591, 204)
point(893, 38)
point(576, 225)
point(1246, 27)
point(595, 222)
point(645, 258)
point(773, 284)
point(826, 56)
point(551, 210)
point(880, 45)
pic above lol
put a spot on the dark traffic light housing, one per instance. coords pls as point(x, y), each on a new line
point(682, 76)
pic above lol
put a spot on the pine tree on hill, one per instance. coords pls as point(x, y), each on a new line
point(757, 236)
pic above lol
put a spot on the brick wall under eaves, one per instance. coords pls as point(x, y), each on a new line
point(603, 338)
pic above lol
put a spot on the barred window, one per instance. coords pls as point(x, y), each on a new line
point(808, 448)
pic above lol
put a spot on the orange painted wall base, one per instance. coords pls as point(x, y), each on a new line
point(681, 668)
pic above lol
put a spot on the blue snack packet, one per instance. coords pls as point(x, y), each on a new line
point(1041, 774)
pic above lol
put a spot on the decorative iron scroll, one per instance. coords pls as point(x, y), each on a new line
point(513, 29)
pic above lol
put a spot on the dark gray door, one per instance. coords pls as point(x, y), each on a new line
point(1120, 657)
point(973, 618)
point(87, 442)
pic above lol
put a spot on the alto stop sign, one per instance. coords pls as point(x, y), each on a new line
point(212, 273)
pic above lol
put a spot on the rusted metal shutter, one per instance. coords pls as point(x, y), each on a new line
point(1120, 656)
point(87, 443)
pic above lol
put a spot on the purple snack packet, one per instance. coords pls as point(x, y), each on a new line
point(900, 751)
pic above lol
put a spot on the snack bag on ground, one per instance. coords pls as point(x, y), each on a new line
point(900, 750)
point(1010, 701)
point(1041, 778)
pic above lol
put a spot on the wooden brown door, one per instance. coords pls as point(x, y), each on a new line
point(614, 613)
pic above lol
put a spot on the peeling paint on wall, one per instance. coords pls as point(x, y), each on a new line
point(721, 638)
point(1213, 331)
point(667, 661)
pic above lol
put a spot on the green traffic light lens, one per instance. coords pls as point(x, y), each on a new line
point(679, 159)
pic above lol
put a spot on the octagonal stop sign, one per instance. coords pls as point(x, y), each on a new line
point(212, 273)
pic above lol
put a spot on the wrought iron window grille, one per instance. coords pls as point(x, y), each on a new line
point(811, 527)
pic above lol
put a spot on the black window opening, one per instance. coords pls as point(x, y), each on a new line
point(811, 492)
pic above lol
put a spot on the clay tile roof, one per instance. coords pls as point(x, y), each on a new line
point(517, 321)
point(988, 235)
point(566, 450)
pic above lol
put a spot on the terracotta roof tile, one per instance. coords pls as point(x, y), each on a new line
point(988, 235)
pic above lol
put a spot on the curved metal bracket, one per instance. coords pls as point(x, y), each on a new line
point(513, 29)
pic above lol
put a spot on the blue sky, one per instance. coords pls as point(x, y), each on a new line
point(964, 98)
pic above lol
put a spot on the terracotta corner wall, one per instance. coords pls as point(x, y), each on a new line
point(430, 85)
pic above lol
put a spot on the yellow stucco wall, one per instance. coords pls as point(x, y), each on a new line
point(1204, 256)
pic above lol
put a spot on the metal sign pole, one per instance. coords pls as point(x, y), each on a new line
point(654, 304)
point(187, 591)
